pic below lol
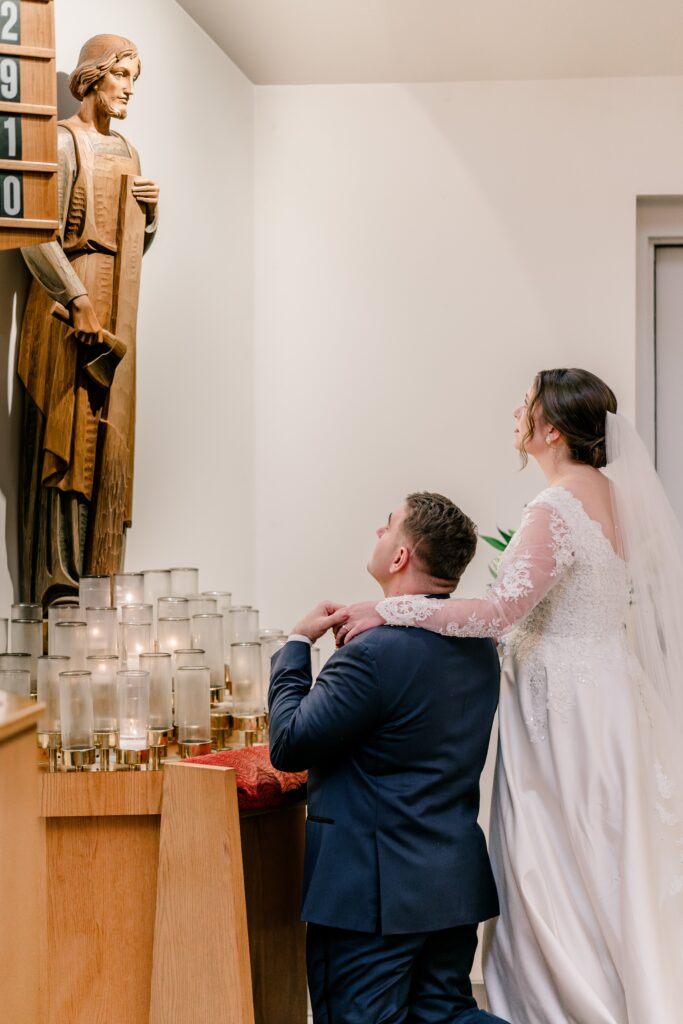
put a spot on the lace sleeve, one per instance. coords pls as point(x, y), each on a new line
point(540, 552)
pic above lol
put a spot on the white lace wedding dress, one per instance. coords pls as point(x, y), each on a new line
point(587, 823)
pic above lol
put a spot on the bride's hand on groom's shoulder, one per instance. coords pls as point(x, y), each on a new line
point(359, 617)
point(326, 615)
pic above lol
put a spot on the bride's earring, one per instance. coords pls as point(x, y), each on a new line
point(548, 439)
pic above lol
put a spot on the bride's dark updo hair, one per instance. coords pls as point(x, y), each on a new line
point(576, 403)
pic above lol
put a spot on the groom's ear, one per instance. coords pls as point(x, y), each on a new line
point(400, 559)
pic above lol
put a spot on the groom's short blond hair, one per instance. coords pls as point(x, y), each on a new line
point(443, 538)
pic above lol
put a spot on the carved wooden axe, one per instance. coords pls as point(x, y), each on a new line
point(109, 354)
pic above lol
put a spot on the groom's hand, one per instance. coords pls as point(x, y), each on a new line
point(324, 616)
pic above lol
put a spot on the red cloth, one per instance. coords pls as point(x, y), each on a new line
point(259, 785)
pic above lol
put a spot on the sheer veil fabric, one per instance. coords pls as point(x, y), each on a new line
point(587, 821)
point(651, 541)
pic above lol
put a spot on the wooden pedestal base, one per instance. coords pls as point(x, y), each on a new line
point(164, 906)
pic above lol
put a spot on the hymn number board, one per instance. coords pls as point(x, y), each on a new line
point(28, 123)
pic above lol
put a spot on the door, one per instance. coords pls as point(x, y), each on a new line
point(668, 307)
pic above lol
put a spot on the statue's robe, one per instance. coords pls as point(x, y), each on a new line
point(67, 433)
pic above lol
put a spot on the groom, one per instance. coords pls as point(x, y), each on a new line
point(394, 735)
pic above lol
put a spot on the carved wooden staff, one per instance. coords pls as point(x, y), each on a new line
point(114, 489)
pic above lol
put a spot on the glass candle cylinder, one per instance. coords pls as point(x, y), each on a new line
point(198, 604)
point(173, 633)
point(193, 705)
point(26, 636)
point(3, 636)
point(243, 624)
point(184, 581)
point(185, 657)
point(172, 607)
point(129, 588)
point(223, 604)
point(102, 630)
point(133, 701)
point(269, 646)
point(76, 710)
point(104, 669)
point(17, 660)
point(245, 672)
point(16, 681)
point(158, 665)
point(223, 599)
point(266, 634)
point(157, 584)
point(71, 640)
point(142, 614)
point(94, 592)
point(27, 611)
point(49, 667)
point(69, 612)
point(207, 633)
point(136, 639)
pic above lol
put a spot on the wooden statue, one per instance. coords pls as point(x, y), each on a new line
point(77, 349)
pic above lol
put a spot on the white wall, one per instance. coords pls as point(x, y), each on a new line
point(420, 252)
point(192, 121)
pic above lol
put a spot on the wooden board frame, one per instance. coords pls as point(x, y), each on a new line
point(28, 124)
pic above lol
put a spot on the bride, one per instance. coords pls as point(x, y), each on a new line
point(587, 818)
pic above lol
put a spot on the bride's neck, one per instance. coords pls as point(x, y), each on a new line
point(557, 466)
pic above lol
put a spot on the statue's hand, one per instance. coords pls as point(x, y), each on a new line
point(87, 328)
point(147, 194)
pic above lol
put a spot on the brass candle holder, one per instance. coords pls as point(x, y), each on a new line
point(222, 728)
point(78, 759)
point(193, 748)
point(105, 742)
point(254, 728)
point(159, 741)
point(134, 760)
point(52, 743)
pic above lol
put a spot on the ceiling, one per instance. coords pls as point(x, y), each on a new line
point(327, 41)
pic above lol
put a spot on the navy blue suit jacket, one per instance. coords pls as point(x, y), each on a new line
point(394, 736)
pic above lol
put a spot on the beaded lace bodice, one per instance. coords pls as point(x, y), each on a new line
point(559, 580)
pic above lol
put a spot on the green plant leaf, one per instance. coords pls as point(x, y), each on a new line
point(495, 543)
point(507, 535)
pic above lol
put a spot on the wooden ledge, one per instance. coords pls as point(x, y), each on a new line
point(99, 794)
point(17, 715)
point(28, 167)
point(18, 50)
point(111, 794)
point(41, 109)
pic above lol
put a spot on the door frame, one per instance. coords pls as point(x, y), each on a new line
point(659, 221)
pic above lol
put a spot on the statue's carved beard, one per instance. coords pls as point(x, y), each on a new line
point(108, 108)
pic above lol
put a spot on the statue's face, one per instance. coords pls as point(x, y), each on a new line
point(115, 89)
